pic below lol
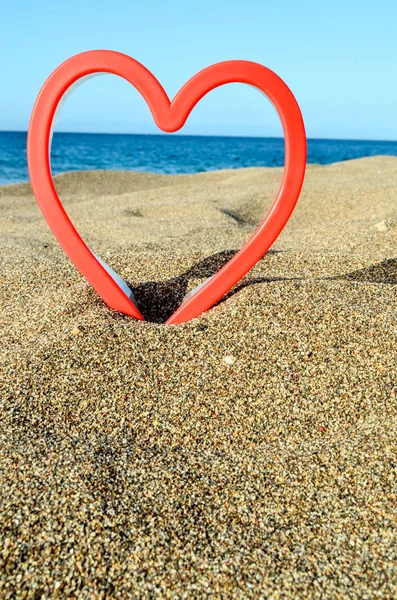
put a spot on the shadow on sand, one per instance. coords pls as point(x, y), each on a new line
point(157, 300)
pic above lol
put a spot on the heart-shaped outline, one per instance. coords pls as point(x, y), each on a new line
point(170, 117)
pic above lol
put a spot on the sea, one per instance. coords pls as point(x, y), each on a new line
point(172, 153)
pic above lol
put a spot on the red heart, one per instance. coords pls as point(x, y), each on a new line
point(169, 116)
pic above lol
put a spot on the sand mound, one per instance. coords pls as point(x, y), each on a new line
point(249, 453)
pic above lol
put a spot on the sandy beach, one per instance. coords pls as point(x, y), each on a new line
point(250, 453)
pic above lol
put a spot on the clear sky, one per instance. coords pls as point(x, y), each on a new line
point(338, 57)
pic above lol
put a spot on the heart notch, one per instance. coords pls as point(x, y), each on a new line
point(169, 116)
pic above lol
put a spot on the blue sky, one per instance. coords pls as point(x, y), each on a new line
point(338, 57)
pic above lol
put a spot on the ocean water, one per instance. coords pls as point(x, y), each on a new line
point(171, 153)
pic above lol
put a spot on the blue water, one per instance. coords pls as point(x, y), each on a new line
point(171, 153)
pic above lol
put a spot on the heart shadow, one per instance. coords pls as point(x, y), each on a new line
point(383, 272)
point(158, 300)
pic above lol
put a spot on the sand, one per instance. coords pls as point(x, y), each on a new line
point(250, 453)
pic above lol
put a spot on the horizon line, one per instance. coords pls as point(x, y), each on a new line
point(199, 135)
